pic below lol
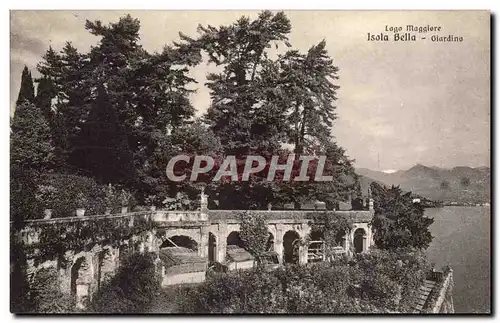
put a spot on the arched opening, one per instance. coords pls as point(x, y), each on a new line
point(212, 247)
point(100, 262)
point(79, 287)
point(270, 242)
point(105, 267)
point(340, 239)
point(233, 239)
point(124, 251)
point(316, 247)
point(180, 241)
point(316, 235)
point(359, 240)
point(291, 247)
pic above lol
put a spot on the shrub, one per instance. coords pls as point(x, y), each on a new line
point(47, 294)
point(379, 282)
point(131, 290)
point(21, 300)
point(75, 192)
point(253, 232)
point(220, 293)
point(23, 202)
point(111, 198)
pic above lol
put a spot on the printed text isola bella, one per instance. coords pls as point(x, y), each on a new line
point(413, 33)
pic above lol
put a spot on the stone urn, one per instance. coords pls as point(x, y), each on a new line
point(108, 210)
point(80, 212)
point(124, 209)
point(47, 214)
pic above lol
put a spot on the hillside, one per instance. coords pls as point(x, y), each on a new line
point(459, 184)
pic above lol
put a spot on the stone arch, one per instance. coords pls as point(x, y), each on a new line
point(359, 240)
point(105, 266)
point(316, 246)
point(180, 241)
point(80, 281)
point(291, 242)
point(212, 247)
point(340, 239)
point(193, 234)
point(234, 238)
point(316, 235)
point(124, 250)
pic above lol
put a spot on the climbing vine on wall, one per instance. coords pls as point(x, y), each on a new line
point(253, 232)
point(57, 238)
point(330, 228)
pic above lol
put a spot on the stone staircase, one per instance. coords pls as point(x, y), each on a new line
point(423, 295)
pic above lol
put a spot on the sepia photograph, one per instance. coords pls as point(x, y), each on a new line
point(250, 162)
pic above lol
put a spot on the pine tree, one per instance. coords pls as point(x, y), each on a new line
point(63, 79)
point(307, 92)
point(239, 113)
point(27, 90)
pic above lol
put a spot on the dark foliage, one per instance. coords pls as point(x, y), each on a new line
point(131, 290)
point(398, 222)
point(373, 283)
point(27, 90)
point(74, 192)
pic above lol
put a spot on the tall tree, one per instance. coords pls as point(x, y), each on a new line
point(149, 92)
point(43, 100)
point(27, 90)
point(30, 142)
point(65, 75)
point(30, 155)
point(308, 93)
point(146, 96)
point(102, 148)
point(398, 222)
point(239, 114)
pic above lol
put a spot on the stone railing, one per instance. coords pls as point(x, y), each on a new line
point(179, 216)
point(299, 215)
point(33, 228)
point(441, 292)
point(437, 297)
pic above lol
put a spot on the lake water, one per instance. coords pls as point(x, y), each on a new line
point(462, 240)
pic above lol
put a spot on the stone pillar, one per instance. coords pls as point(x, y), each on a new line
point(278, 245)
point(203, 246)
point(303, 250)
point(221, 242)
point(278, 241)
point(370, 242)
point(65, 272)
point(348, 244)
point(151, 241)
point(351, 250)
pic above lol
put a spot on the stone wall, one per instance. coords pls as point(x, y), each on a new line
point(83, 272)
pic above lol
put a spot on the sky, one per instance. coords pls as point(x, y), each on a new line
point(399, 103)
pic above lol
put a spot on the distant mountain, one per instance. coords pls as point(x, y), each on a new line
point(459, 184)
